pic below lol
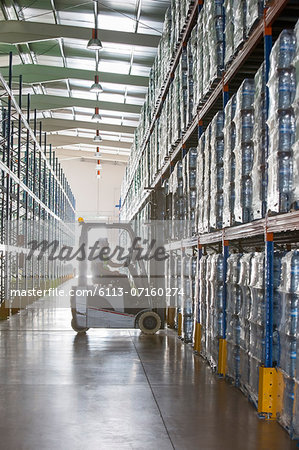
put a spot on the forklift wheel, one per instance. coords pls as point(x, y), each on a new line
point(76, 328)
point(149, 322)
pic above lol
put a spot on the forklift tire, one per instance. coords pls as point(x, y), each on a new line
point(149, 322)
point(76, 328)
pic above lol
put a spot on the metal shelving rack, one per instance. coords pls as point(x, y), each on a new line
point(214, 101)
point(36, 199)
point(183, 38)
point(280, 228)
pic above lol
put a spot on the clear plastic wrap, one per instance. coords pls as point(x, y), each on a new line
point(200, 59)
point(286, 283)
point(216, 307)
point(294, 394)
point(254, 10)
point(281, 123)
point(190, 80)
point(203, 306)
point(206, 61)
point(190, 189)
point(256, 348)
point(183, 93)
point(217, 175)
point(244, 152)
point(178, 270)
point(229, 163)
point(286, 414)
point(259, 179)
point(295, 148)
point(245, 309)
point(213, 44)
point(194, 43)
point(233, 308)
point(188, 277)
point(200, 173)
point(289, 311)
point(239, 23)
point(207, 184)
point(229, 31)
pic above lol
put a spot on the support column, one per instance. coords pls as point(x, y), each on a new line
point(222, 355)
point(197, 333)
point(270, 379)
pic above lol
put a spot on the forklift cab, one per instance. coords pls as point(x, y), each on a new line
point(112, 292)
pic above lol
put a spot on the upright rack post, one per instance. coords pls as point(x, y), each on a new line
point(269, 300)
point(225, 95)
point(200, 5)
point(222, 340)
point(268, 376)
point(197, 334)
point(200, 129)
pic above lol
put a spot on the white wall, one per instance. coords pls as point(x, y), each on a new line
point(94, 197)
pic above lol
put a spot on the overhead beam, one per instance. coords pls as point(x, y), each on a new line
point(37, 73)
point(42, 102)
point(59, 140)
point(71, 154)
point(20, 32)
point(64, 124)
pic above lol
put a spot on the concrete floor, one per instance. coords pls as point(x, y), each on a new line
point(114, 389)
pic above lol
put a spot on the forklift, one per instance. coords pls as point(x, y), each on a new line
point(113, 294)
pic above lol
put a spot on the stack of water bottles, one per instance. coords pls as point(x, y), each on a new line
point(193, 45)
point(194, 287)
point(164, 134)
point(205, 226)
point(244, 118)
point(190, 73)
point(215, 307)
point(176, 109)
point(186, 294)
point(188, 277)
point(246, 302)
point(200, 32)
point(179, 201)
point(277, 268)
point(288, 333)
point(203, 298)
point(240, 18)
point(234, 27)
point(179, 10)
point(259, 174)
point(190, 188)
point(183, 76)
point(281, 123)
point(212, 42)
point(200, 183)
point(229, 163)
point(257, 319)
point(217, 172)
point(153, 151)
point(254, 10)
point(233, 311)
point(295, 149)
point(178, 285)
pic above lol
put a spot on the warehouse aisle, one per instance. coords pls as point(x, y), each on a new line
point(116, 390)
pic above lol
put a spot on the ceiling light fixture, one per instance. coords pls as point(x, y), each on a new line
point(97, 137)
point(94, 43)
point(96, 115)
point(98, 153)
point(98, 174)
point(96, 87)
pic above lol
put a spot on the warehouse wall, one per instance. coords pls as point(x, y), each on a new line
point(93, 196)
